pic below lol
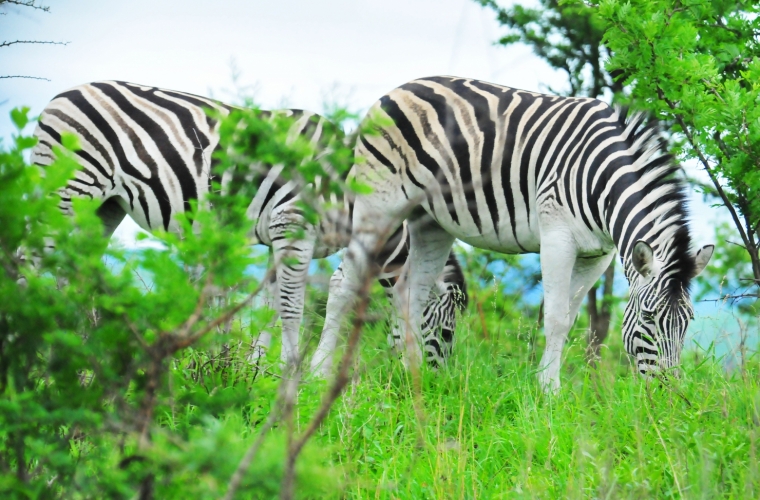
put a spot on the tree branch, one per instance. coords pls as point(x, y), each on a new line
point(250, 454)
point(26, 3)
point(711, 173)
point(36, 42)
point(25, 77)
point(187, 340)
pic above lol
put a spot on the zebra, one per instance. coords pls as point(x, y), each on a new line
point(520, 172)
point(147, 152)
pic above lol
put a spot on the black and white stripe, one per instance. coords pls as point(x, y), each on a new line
point(439, 316)
point(521, 172)
point(147, 152)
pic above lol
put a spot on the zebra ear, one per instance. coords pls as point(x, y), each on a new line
point(702, 258)
point(643, 258)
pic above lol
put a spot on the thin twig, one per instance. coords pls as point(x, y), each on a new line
point(203, 154)
point(27, 3)
point(139, 276)
point(190, 339)
point(341, 379)
point(733, 297)
point(250, 454)
point(346, 361)
point(27, 77)
point(134, 331)
point(35, 42)
point(198, 312)
point(666, 383)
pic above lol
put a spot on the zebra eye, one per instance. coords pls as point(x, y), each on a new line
point(647, 315)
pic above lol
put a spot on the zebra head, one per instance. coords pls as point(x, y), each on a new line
point(439, 317)
point(659, 310)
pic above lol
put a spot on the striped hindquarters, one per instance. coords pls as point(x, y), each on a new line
point(149, 148)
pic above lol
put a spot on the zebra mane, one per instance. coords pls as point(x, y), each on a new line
point(672, 242)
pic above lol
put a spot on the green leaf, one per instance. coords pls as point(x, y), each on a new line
point(70, 141)
point(359, 188)
point(25, 142)
point(20, 117)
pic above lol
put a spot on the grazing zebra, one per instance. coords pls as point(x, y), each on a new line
point(147, 152)
point(521, 172)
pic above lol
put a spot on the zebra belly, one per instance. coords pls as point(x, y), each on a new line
point(525, 238)
point(486, 243)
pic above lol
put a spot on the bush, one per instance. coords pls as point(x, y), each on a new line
point(104, 390)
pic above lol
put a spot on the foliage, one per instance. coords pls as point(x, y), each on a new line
point(250, 145)
point(567, 36)
point(696, 64)
point(725, 278)
point(107, 387)
point(481, 427)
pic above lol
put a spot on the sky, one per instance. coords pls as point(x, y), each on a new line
point(293, 52)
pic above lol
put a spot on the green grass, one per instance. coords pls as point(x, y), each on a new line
point(482, 428)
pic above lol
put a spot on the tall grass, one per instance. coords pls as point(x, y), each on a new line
point(482, 428)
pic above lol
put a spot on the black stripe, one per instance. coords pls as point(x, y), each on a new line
point(144, 205)
point(462, 149)
point(410, 136)
point(378, 155)
point(446, 119)
point(510, 140)
point(566, 159)
point(81, 192)
point(154, 183)
point(57, 138)
point(527, 149)
point(589, 170)
point(161, 139)
point(88, 137)
point(184, 117)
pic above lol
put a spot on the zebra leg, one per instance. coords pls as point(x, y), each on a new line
point(557, 261)
point(586, 272)
point(370, 229)
point(111, 214)
point(292, 259)
point(337, 300)
point(263, 340)
point(429, 250)
point(567, 279)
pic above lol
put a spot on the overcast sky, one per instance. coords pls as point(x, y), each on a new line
point(296, 53)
